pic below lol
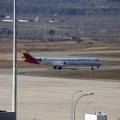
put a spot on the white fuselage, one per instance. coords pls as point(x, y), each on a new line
point(70, 61)
point(59, 62)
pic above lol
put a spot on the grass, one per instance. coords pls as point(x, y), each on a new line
point(21, 64)
point(111, 63)
point(115, 55)
point(35, 45)
point(79, 74)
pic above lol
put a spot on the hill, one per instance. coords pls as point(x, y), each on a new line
point(63, 7)
point(97, 20)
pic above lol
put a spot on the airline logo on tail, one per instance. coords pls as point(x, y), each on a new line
point(29, 58)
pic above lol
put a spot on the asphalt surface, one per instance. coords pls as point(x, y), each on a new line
point(43, 98)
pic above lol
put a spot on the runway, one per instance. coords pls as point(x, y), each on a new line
point(43, 98)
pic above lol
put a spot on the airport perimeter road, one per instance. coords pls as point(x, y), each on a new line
point(43, 98)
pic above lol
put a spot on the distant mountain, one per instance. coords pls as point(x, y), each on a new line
point(62, 7)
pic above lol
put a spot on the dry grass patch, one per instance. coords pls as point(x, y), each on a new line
point(80, 74)
point(21, 64)
point(115, 55)
point(35, 45)
point(111, 63)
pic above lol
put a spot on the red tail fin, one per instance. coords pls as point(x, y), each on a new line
point(29, 58)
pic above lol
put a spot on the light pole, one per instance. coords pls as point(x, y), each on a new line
point(14, 94)
point(72, 103)
point(78, 99)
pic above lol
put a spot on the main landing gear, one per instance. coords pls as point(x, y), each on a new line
point(59, 67)
point(92, 67)
point(54, 67)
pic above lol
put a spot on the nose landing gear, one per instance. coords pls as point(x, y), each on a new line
point(92, 67)
point(98, 66)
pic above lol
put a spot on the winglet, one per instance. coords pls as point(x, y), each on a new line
point(29, 58)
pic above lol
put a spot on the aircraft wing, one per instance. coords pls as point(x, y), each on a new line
point(57, 63)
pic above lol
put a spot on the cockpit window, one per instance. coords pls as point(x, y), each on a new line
point(97, 60)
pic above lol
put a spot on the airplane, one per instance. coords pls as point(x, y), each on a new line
point(57, 63)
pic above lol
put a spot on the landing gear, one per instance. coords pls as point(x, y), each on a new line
point(59, 67)
point(54, 67)
point(92, 67)
point(98, 66)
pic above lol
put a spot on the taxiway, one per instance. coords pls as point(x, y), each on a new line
point(43, 98)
